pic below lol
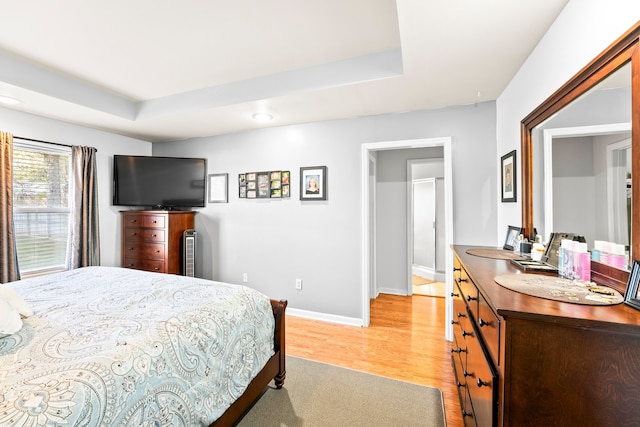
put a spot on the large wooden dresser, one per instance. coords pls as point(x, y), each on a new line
point(527, 361)
point(152, 240)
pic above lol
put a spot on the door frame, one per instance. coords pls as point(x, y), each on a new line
point(366, 150)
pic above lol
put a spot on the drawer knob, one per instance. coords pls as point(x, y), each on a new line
point(470, 298)
point(456, 269)
point(466, 414)
point(460, 280)
point(482, 383)
point(453, 294)
point(483, 323)
point(458, 350)
point(465, 333)
point(131, 249)
point(466, 373)
point(461, 315)
point(459, 384)
point(156, 268)
point(154, 235)
point(453, 322)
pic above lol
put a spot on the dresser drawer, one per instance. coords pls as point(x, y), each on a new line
point(469, 291)
point(153, 221)
point(144, 234)
point(144, 251)
point(489, 326)
point(145, 264)
point(481, 384)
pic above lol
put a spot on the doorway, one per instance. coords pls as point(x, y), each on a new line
point(426, 227)
point(368, 268)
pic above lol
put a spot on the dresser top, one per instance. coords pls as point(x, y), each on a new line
point(511, 304)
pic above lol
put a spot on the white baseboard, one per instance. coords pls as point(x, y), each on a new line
point(351, 321)
point(427, 273)
point(393, 291)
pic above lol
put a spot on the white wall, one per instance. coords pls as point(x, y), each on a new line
point(277, 241)
point(36, 127)
point(583, 30)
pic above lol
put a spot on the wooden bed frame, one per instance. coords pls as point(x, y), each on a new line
point(274, 370)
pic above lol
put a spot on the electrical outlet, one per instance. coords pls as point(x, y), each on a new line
point(299, 284)
point(245, 277)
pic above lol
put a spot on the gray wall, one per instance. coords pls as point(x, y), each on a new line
point(278, 241)
point(108, 144)
point(582, 30)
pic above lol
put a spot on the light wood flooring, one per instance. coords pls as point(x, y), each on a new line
point(405, 341)
point(422, 286)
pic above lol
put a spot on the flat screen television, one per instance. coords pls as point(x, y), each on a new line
point(159, 182)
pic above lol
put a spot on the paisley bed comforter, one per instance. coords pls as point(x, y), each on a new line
point(110, 346)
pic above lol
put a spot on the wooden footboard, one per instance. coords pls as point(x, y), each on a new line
point(275, 369)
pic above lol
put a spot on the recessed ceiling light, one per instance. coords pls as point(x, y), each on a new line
point(7, 100)
point(262, 117)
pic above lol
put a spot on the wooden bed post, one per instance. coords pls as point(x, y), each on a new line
point(279, 339)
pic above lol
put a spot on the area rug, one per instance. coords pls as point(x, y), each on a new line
point(318, 394)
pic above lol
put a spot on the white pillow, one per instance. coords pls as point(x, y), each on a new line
point(10, 321)
point(15, 301)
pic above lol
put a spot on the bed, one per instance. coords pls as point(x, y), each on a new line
point(114, 346)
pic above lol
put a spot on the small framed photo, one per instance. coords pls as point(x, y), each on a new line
point(313, 183)
point(631, 296)
point(512, 237)
point(286, 175)
point(218, 188)
point(508, 177)
point(262, 179)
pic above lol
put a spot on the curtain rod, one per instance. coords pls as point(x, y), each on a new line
point(45, 142)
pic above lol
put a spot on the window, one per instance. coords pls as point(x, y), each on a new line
point(41, 206)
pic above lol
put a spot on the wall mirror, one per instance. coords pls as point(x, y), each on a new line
point(579, 148)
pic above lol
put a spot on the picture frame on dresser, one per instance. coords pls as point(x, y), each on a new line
point(631, 297)
point(511, 238)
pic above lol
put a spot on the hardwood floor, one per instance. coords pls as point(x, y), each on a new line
point(405, 341)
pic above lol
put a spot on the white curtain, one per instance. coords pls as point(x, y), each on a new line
point(83, 248)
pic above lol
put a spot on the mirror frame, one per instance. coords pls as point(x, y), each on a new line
point(625, 49)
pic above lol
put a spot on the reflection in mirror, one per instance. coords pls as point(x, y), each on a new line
point(581, 165)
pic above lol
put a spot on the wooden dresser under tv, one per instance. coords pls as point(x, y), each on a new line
point(152, 240)
point(526, 361)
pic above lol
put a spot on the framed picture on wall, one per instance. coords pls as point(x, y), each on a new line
point(218, 188)
point(313, 183)
point(508, 177)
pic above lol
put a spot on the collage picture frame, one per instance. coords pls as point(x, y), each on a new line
point(264, 185)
